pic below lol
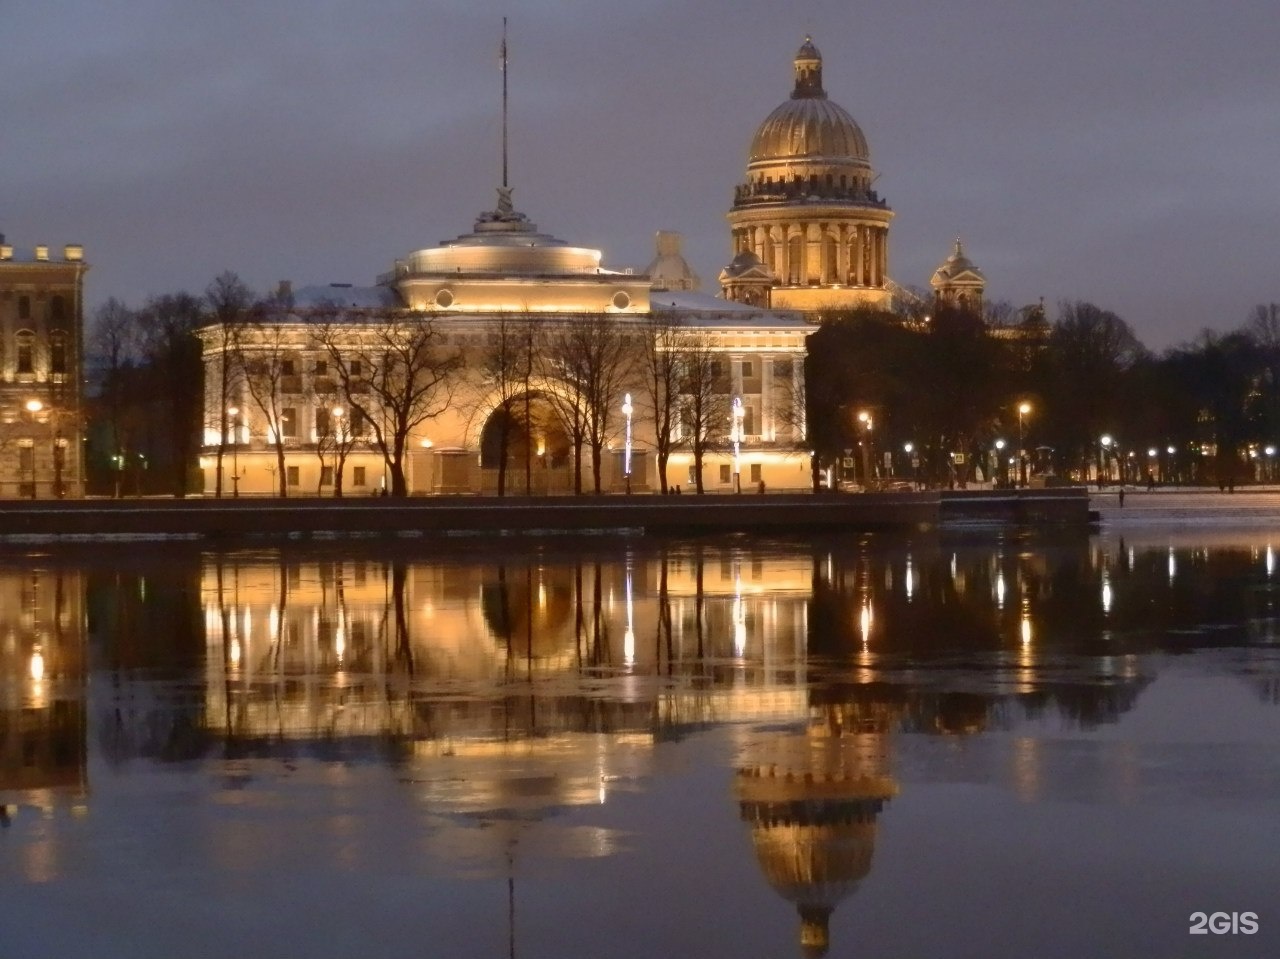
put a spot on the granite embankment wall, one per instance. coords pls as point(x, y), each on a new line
point(311, 517)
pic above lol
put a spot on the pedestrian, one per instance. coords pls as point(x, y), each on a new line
point(1122, 497)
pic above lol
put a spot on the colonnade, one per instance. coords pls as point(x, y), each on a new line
point(819, 254)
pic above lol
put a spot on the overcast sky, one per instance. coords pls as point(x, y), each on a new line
point(1120, 151)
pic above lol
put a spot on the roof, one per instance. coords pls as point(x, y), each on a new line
point(702, 309)
point(346, 295)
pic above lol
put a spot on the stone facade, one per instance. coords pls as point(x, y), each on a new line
point(41, 349)
point(503, 279)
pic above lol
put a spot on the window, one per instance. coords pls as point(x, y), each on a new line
point(322, 367)
point(289, 423)
point(57, 309)
point(326, 476)
point(287, 368)
point(756, 472)
point(57, 353)
point(356, 368)
point(291, 475)
point(24, 307)
point(693, 476)
point(322, 423)
point(748, 421)
point(726, 475)
point(357, 476)
point(748, 369)
point(26, 351)
point(26, 457)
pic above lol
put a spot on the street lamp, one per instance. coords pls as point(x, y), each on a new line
point(738, 413)
point(864, 417)
point(33, 407)
point(1024, 409)
point(337, 413)
point(1000, 445)
point(1106, 442)
point(234, 413)
point(626, 455)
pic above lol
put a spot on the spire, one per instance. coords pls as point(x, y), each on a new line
point(808, 72)
point(504, 216)
point(503, 52)
point(959, 247)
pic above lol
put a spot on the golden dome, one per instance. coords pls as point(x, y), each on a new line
point(808, 126)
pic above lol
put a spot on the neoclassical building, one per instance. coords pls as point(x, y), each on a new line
point(41, 340)
point(286, 400)
point(958, 283)
point(809, 231)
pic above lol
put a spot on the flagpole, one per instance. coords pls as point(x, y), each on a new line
point(504, 102)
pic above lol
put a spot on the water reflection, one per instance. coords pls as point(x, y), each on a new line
point(508, 694)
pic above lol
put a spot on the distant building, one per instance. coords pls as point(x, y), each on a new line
point(41, 350)
point(958, 283)
point(807, 212)
point(502, 274)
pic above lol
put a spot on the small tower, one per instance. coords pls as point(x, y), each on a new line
point(669, 269)
point(958, 283)
point(748, 281)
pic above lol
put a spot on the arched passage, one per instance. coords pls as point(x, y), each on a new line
point(523, 440)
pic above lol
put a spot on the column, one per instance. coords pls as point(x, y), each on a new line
point(859, 238)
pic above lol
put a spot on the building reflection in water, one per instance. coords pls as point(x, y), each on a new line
point(811, 800)
point(42, 704)
point(526, 681)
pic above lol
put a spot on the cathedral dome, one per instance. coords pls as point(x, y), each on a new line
point(808, 126)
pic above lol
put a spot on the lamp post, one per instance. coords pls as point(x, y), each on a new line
point(865, 419)
point(1024, 409)
point(1106, 441)
point(337, 413)
point(234, 413)
point(626, 454)
point(910, 449)
point(33, 407)
point(1000, 444)
point(738, 413)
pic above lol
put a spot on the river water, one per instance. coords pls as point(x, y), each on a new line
point(940, 745)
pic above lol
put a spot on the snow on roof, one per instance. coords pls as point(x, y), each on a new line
point(702, 309)
point(346, 295)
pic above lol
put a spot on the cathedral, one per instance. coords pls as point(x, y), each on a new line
point(809, 231)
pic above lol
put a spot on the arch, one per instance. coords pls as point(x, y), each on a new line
point(542, 431)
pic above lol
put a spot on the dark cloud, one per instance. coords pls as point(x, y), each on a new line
point(1116, 152)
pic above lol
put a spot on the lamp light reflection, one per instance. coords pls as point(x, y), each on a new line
point(37, 663)
point(628, 637)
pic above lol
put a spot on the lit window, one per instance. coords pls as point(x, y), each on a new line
point(291, 473)
point(289, 423)
point(26, 351)
point(57, 353)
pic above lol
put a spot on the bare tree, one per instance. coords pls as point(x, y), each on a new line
point(229, 303)
point(270, 366)
point(503, 387)
point(170, 350)
point(114, 339)
point(562, 368)
point(704, 400)
point(659, 345)
point(395, 372)
point(591, 359)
